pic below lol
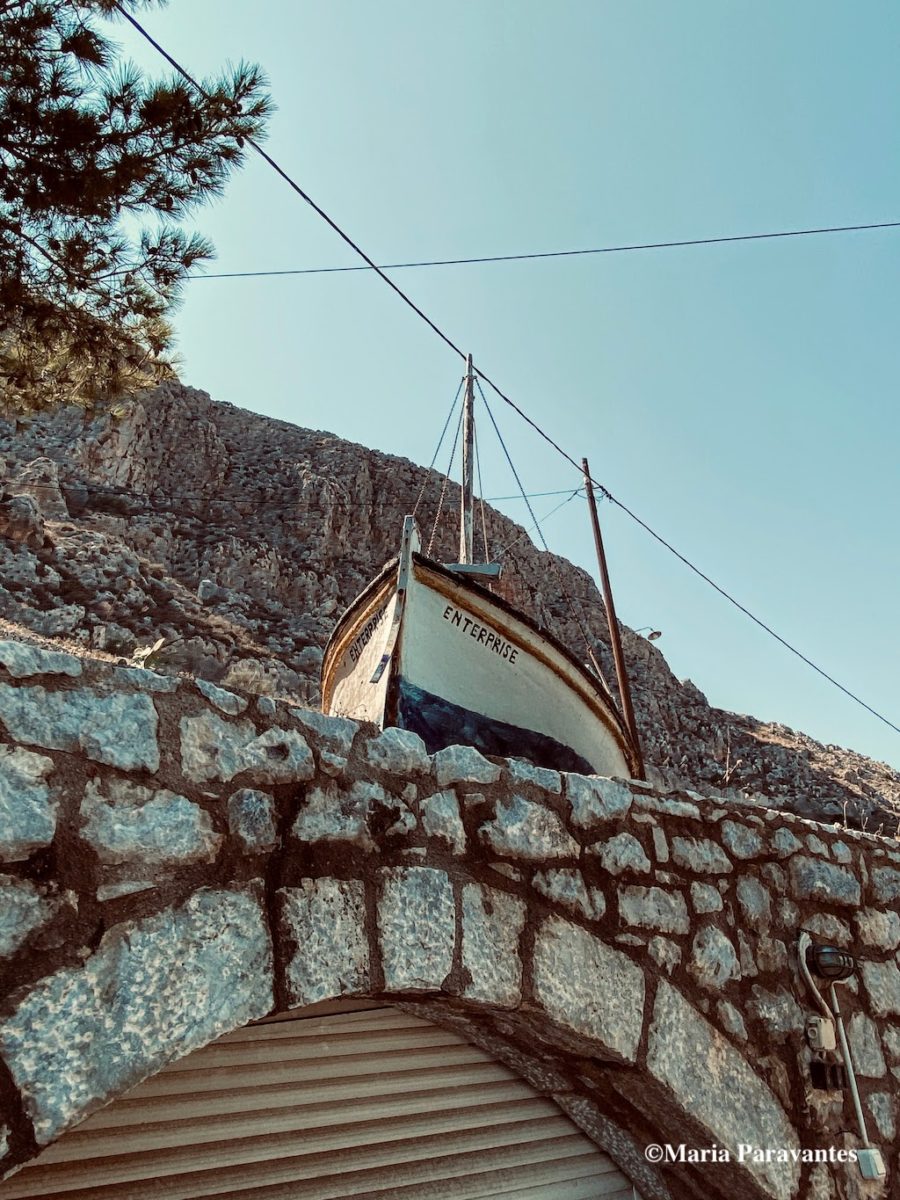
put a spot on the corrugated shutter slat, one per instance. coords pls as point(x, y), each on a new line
point(366, 1103)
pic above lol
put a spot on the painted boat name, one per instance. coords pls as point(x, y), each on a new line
point(365, 635)
point(484, 636)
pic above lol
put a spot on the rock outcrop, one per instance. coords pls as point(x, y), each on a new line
point(237, 539)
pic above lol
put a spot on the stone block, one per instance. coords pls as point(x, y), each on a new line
point(669, 806)
point(705, 898)
point(278, 756)
point(595, 800)
point(882, 982)
point(325, 921)
point(700, 855)
point(251, 820)
point(352, 815)
point(398, 751)
point(463, 764)
point(589, 988)
point(813, 879)
point(713, 1083)
point(135, 824)
point(416, 928)
point(524, 829)
point(145, 680)
point(621, 854)
point(334, 734)
point(21, 660)
point(215, 749)
point(886, 885)
point(660, 845)
point(127, 887)
point(441, 819)
point(664, 952)
point(785, 843)
point(714, 960)
point(566, 886)
point(865, 1046)
point(879, 929)
point(653, 908)
point(153, 991)
point(118, 729)
point(883, 1110)
point(23, 910)
point(755, 901)
point(778, 1011)
point(731, 1020)
point(520, 771)
point(225, 701)
point(741, 840)
point(828, 928)
point(492, 922)
point(27, 810)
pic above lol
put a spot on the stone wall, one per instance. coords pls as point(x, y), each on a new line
point(179, 859)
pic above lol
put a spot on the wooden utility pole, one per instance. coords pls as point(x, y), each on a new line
point(467, 502)
point(614, 639)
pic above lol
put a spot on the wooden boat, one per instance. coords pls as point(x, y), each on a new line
point(427, 647)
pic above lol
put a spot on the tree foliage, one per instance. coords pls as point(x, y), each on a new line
point(100, 167)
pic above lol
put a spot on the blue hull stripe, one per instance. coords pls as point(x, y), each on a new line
point(440, 723)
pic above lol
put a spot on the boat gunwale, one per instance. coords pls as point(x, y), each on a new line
point(465, 584)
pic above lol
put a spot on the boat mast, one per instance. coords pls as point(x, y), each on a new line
point(615, 640)
point(467, 502)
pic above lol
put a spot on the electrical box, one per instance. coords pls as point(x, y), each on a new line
point(820, 1033)
point(870, 1163)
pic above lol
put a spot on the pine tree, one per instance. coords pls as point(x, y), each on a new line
point(99, 168)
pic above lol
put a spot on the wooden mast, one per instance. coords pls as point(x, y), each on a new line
point(467, 502)
point(615, 640)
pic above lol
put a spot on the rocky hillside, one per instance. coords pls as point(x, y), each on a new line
point(238, 539)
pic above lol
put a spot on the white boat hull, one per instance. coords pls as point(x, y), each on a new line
point(462, 667)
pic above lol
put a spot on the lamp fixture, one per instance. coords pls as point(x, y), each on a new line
point(829, 962)
point(652, 635)
point(835, 965)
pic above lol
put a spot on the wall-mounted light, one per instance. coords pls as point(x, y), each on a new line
point(835, 965)
point(830, 962)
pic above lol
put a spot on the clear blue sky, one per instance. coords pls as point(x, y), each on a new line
point(742, 399)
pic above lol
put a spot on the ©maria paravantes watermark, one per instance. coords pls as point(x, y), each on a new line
point(745, 1153)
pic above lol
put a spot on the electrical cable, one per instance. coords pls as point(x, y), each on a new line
point(498, 258)
point(496, 389)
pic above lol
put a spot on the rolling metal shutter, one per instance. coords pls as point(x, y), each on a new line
point(362, 1103)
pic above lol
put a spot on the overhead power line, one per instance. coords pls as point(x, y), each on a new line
point(498, 258)
point(372, 265)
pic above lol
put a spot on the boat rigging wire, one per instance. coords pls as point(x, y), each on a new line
point(497, 258)
point(444, 482)
point(345, 237)
point(484, 537)
point(437, 449)
point(545, 517)
point(579, 616)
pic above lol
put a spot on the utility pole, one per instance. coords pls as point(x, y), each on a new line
point(615, 640)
